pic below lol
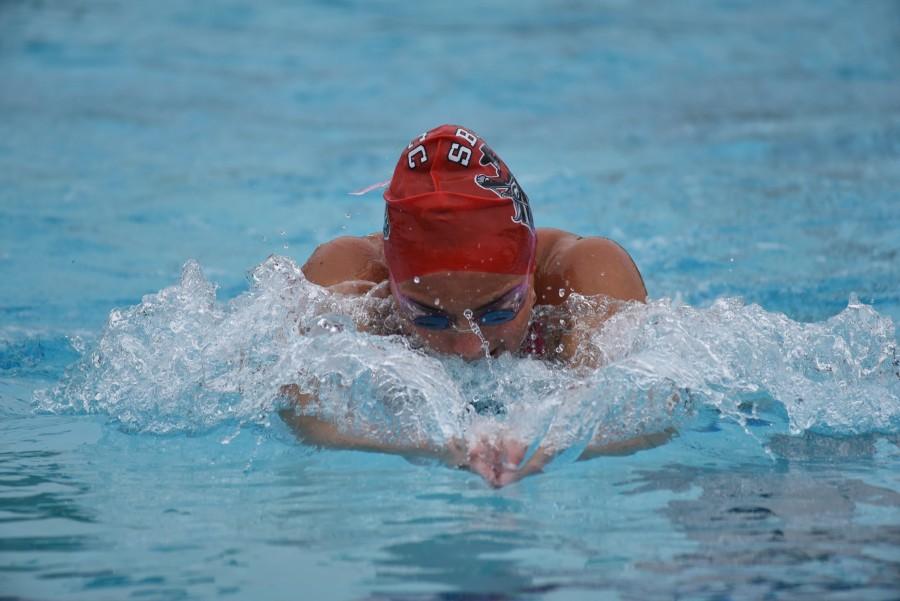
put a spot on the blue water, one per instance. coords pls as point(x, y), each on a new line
point(152, 155)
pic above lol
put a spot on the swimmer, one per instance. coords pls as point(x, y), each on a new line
point(466, 268)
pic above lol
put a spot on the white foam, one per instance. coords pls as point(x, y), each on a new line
point(181, 361)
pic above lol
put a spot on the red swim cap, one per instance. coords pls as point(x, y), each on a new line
point(453, 205)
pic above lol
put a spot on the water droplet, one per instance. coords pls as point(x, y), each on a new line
point(485, 347)
point(562, 292)
point(417, 279)
point(437, 302)
point(77, 344)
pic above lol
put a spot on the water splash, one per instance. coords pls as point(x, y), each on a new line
point(840, 376)
point(182, 361)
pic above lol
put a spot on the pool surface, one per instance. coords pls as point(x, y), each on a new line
point(166, 167)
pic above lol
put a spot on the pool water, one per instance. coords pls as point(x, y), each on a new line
point(166, 167)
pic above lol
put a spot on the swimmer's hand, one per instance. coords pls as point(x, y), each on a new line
point(499, 462)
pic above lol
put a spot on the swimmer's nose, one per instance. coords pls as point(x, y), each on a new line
point(467, 345)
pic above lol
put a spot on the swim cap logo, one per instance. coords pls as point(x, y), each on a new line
point(504, 185)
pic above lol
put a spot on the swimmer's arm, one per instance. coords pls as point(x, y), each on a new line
point(591, 267)
point(595, 267)
point(352, 266)
point(318, 432)
point(627, 447)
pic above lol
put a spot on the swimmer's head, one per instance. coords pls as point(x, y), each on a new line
point(453, 205)
point(456, 223)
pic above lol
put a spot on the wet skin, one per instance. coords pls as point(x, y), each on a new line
point(455, 294)
point(565, 264)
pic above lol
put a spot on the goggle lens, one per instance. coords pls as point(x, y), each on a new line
point(495, 318)
point(432, 322)
point(436, 320)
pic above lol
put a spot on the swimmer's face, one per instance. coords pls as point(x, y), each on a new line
point(447, 311)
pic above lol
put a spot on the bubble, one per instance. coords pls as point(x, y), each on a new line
point(417, 280)
point(562, 292)
point(468, 314)
point(329, 325)
point(437, 302)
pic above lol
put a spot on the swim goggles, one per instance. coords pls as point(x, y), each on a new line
point(495, 313)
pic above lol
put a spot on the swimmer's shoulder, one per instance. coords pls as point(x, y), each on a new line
point(347, 259)
point(588, 265)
